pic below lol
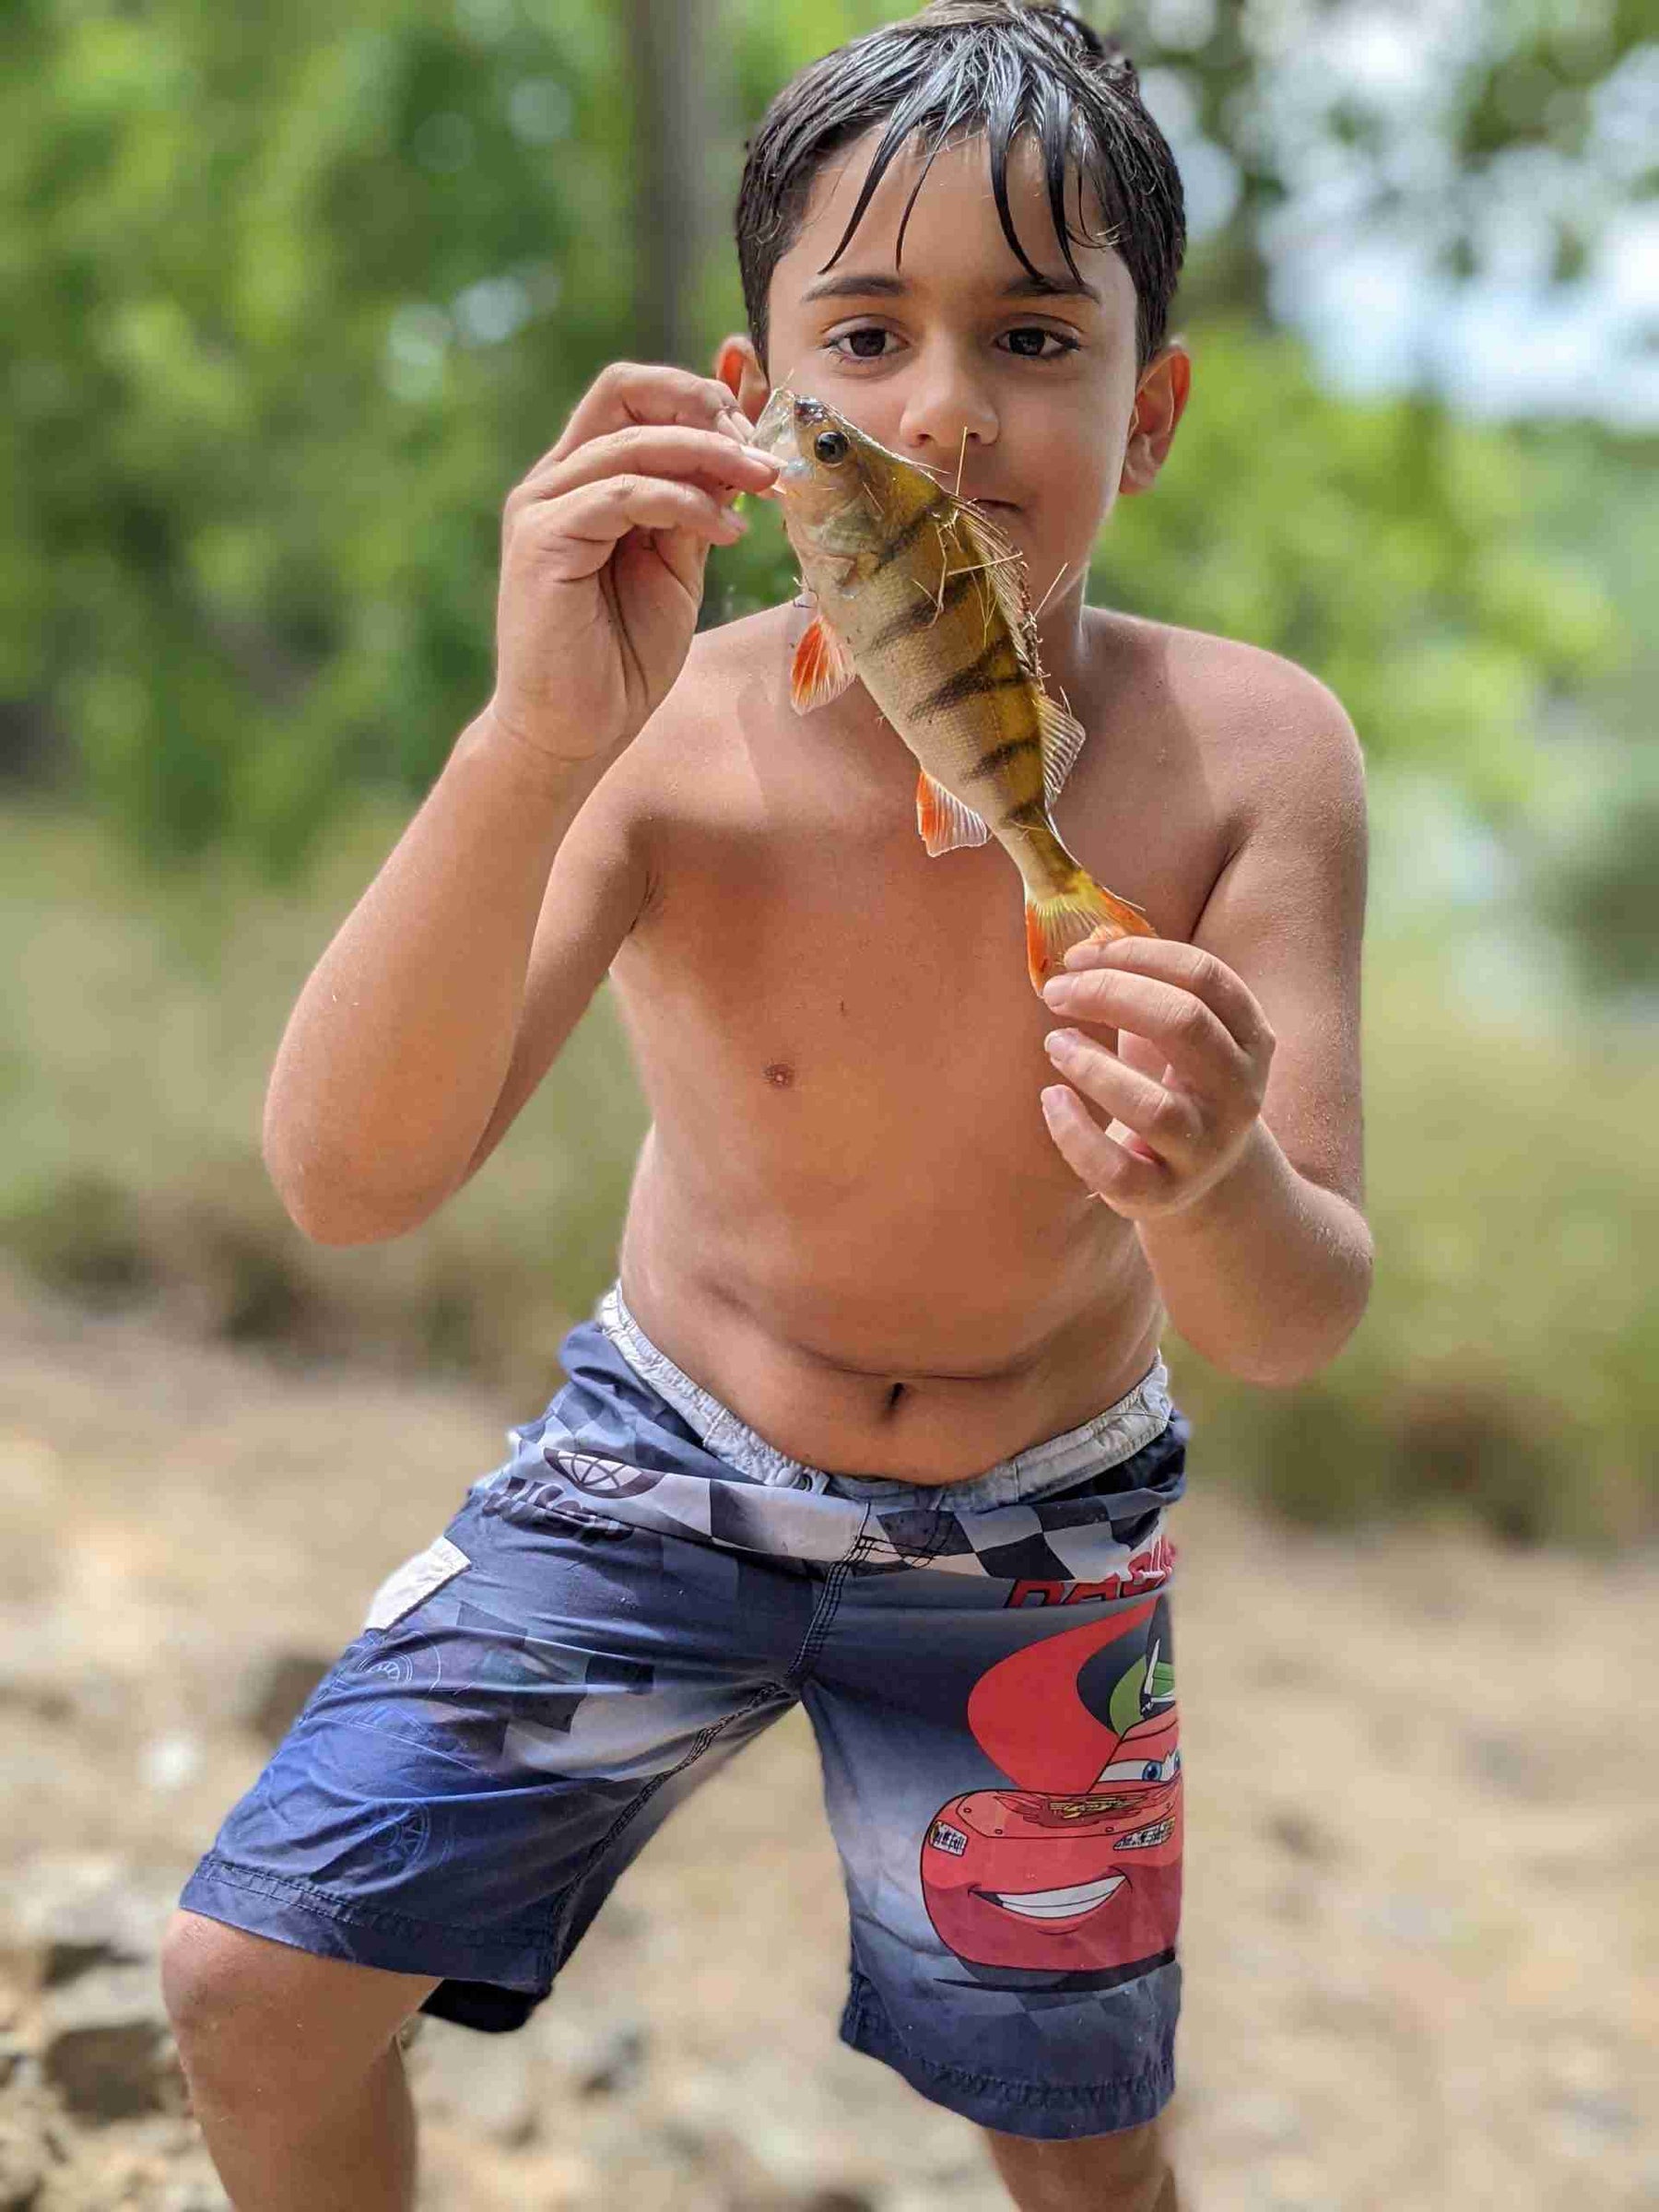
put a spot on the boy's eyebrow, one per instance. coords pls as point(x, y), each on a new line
point(850, 283)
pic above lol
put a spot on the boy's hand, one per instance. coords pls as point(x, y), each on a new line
point(1183, 1086)
point(603, 549)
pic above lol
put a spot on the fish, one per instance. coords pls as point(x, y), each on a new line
point(919, 596)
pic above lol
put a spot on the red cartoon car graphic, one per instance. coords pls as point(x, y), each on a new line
point(1078, 1867)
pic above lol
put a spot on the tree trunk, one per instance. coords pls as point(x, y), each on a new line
point(675, 131)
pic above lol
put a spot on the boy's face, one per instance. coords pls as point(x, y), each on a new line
point(959, 340)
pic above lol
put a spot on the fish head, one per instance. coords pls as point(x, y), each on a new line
point(845, 497)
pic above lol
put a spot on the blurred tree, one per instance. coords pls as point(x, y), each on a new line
point(677, 224)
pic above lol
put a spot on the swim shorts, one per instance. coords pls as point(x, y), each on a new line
point(643, 1587)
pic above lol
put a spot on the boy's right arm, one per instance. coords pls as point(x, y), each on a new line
point(407, 1034)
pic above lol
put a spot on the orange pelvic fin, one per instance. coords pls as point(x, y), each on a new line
point(1085, 910)
point(944, 821)
point(822, 668)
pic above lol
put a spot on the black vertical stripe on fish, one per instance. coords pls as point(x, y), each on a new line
point(991, 764)
point(910, 620)
point(909, 533)
point(1032, 814)
point(980, 676)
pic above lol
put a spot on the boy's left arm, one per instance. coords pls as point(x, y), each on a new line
point(1233, 1095)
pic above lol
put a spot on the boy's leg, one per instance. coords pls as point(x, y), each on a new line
point(295, 2073)
point(1126, 2173)
point(453, 1805)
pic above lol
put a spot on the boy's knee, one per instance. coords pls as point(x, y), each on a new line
point(231, 1997)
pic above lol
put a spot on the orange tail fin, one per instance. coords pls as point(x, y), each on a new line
point(1085, 909)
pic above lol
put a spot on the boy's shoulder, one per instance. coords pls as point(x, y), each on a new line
point(1238, 689)
point(1270, 742)
point(753, 645)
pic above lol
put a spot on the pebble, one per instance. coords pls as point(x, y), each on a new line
point(107, 2046)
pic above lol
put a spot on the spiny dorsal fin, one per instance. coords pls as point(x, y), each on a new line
point(822, 668)
point(944, 821)
point(1005, 572)
point(1063, 736)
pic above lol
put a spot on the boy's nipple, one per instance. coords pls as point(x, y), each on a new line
point(779, 1073)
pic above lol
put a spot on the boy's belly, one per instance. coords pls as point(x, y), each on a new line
point(849, 1222)
point(874, 1348)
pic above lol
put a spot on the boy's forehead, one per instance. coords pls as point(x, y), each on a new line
point(953, 240)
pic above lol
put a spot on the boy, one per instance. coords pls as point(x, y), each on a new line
point(874, 1419)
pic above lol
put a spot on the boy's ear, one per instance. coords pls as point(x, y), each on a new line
point(1159, 400)
point(737, 366)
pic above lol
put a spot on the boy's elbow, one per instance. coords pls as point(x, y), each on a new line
point(1295, 1358)
point(338, 1211)
point(1287, 1356)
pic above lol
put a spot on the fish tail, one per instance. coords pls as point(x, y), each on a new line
point(1084, 909)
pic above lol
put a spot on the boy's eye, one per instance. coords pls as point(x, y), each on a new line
point(1033, 351)
point(866, 344)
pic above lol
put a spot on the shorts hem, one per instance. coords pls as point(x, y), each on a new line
point(311, 1919)
point(1043, 2112)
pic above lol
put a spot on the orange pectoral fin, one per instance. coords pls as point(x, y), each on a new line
point(822, 668)
point(945, 823)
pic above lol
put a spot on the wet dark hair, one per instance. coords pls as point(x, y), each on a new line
point(1000, 67)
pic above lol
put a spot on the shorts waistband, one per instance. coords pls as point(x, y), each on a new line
point(1117, 1433)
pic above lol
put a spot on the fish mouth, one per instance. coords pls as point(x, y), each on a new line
point(1056, 1904)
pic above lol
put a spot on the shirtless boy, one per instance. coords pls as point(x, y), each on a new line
point(876, 1419)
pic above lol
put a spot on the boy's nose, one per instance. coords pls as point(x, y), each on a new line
point(945, 405)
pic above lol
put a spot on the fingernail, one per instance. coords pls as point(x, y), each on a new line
point(1060, 1044)
point(1059, 993)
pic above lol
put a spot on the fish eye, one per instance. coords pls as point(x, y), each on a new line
point(830, 446)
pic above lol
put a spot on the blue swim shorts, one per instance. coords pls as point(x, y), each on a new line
point(645, 1585)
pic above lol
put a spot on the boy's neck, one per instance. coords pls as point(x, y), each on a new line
point(1063, 643)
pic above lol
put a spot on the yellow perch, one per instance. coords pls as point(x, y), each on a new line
point(923, 600)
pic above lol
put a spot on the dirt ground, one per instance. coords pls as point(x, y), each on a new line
point(1422, 1911)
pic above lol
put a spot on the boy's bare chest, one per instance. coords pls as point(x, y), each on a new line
point(809, 946)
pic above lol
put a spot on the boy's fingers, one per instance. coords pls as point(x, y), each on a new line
point(1184, 1029)
point(632, 393)
point(1106, 1165)
point(1168, 1124)
point(699, 456)
point(1189, 968)
point(578, 533)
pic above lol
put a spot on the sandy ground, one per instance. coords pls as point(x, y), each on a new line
point(1422, 1871)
